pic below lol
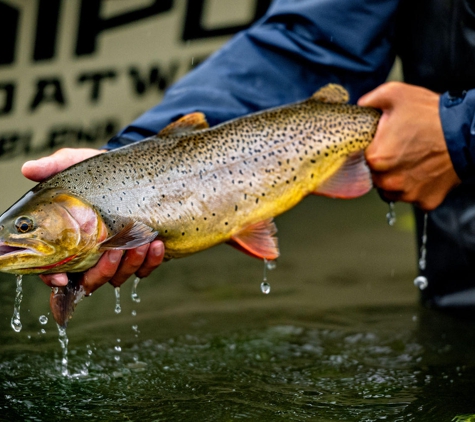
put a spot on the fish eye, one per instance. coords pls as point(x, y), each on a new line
point(24, 224)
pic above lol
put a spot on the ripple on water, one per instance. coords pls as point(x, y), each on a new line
point(333, 371)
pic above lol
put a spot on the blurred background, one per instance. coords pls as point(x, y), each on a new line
point(339, 337)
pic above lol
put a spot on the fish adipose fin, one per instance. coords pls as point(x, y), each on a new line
point(131, 236)
point(257, 240)
point(352, 180)
point(186, 124)
point(332, 94)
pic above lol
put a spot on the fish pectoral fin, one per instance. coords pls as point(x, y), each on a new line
point(352, 180)
point(186, 124)
point(257, 240)
point(133, 235)
point(332, 94)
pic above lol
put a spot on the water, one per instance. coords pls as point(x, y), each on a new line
point(341, 338)
point(134, 295)
point(15, 321)
point(421, 281)
point(265, 286)
point(423, 251)
point(391, 215)
point(118, 308)
point(358, 365)
point(63, 341)
point(43, 319)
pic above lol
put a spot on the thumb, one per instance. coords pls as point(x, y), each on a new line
point(381, 97)
point(38, 170)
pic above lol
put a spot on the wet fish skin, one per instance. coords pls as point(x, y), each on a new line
point(192, 190)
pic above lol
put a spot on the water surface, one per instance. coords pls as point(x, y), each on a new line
point(340, 337)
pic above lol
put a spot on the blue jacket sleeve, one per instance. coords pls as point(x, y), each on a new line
point(297, 47)
point(457, 114)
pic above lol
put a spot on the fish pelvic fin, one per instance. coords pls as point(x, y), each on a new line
point(353, 179)
point(133, 235)
point(186, 124)
point(332, 94)
point(63, 300)
point(257, 240)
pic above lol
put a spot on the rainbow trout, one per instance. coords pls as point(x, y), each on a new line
point(191, 186)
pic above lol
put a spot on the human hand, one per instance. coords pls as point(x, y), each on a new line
point(114, 266)
point(408, 156)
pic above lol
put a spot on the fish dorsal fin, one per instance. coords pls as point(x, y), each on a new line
point(257, 240)
point(352, 180)
point(133, 235)
point(332, 94)
point(186, 124)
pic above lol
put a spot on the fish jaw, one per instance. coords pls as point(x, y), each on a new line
point(49, 231)
point(20, 257)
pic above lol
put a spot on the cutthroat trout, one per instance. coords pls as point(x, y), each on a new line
point(191, 186)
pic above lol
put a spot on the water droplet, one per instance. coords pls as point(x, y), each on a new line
point(391, 215)
point(135, 296)
point(63, 341)
point(134, 313)
point(421, 282)
point(135, 328)
point(118, 349)
point(265, 287)
point(43, 319)
point(271, 265)
point(43, 331)
point(15, 321)
point(423, 256)
point(117, 309)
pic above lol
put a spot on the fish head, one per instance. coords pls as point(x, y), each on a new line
point(49, 231)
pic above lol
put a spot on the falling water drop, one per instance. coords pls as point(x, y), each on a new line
point(117, 309)
point(391, 215)
point(421, 282)
point(134, 295)
point(63, 341)
point(118, 349)
point(271, 265)
point(265, 287)
point(15, 322)
point(422, 260)
point(43, 319)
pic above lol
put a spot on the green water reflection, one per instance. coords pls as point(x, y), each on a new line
point(339, 338)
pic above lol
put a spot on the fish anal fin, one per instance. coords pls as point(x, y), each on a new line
point(332, 94)
point(353, 179)
point(186, 124)
point(257, 240)
point(133, 235)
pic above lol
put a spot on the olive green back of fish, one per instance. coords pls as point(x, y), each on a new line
point(201, 188)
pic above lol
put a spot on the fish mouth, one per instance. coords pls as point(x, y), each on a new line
point(9, 250)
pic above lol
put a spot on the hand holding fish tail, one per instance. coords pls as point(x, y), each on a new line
point(408, 156)
point(114, 266)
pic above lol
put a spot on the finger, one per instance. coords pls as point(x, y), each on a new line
point(132, 261)
point(381, 97)
point(103, 271)
point(38, 170)
point(54, 280)
point(153, 259)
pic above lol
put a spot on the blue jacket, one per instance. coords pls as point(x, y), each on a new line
point(297, 47)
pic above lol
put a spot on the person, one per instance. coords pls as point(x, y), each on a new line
point(423, 148)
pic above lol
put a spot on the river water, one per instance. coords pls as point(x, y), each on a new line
point(340, 336)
